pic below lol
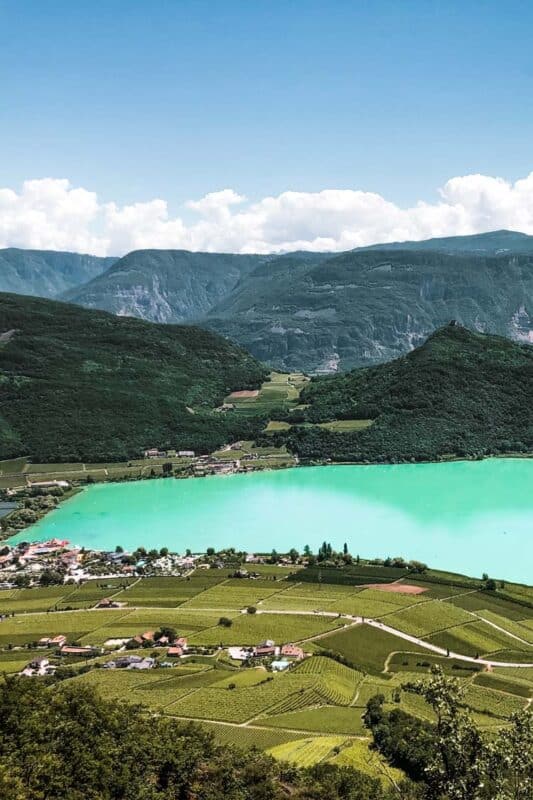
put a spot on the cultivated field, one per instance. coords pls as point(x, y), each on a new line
point(313, 711)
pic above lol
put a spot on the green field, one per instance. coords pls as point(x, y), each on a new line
point(311, 712)
point(368, 648)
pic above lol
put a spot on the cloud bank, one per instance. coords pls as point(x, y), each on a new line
point(52, 214)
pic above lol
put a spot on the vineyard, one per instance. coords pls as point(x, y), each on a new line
point(312, 711)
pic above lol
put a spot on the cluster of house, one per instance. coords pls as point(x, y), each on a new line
point(33, 559)
point(269, 649)
point(176, 648)
point(209, 464)
point(41, 665)
point(78, 565)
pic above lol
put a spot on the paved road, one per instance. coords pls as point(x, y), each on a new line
point(441, 651)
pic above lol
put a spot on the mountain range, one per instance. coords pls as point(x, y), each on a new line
point(47, 273)
point(320, 312)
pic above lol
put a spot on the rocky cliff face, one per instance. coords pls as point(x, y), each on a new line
point(165, 285)
point(325, 312)
point(361, 308)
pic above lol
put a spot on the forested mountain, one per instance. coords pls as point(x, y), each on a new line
point(47, 273)
point(165, 285)
point(460, 393)
point(492, 243)
point(364, 307)
point(320, 312)
point(88, 386)
point(326, 312)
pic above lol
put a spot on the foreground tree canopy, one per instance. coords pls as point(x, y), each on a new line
point(64, 741)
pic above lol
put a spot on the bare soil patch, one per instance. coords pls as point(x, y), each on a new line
point(398, 588)
point(245, 393)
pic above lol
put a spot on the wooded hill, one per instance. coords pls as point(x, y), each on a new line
point(460, 393)
point(79, 385)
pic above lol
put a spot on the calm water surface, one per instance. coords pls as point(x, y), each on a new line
point(470, 517)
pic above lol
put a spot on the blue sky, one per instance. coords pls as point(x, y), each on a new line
point(137, 99)
point(181, 98)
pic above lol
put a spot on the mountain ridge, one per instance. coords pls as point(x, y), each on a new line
point(327, 312)
point(459, 394)
point(47, 273)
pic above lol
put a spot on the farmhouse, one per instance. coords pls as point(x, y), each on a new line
point(72, 650)
point(175, 651)
point(153, 452)
point(38, 667)
point(54, 641)
point(292, 651)
point(106, 602)
point(239, 653)
point(267, 648)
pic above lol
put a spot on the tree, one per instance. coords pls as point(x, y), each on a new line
point(225, 622)
point(345, 549)
point(163, 552)
point(294, 555)
point(510, 760)
point(166, 630)
point(251, 610)
point(119, 549)
point(49, 577)
point(307, 551)
point(456, 764)
point(167, 468)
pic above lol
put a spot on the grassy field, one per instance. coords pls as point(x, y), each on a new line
point(281, 390)
point(312, 712)
point(368, 648)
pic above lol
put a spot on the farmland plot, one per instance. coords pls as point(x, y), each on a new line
point(326, 719)
point(306, 752)
point(250, 629)
point(426, 618)
point(475, 638)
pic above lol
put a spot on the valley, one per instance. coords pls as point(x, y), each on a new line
point(348, 638)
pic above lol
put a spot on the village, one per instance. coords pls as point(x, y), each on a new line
point(167, 650)
point(56, 561)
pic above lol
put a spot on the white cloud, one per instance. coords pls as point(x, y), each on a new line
point(52, 214)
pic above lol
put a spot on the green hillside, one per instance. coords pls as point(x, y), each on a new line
point(81, 385)
point(165, 285)
point(460, 393)
point(366, 307)
point(47, 273)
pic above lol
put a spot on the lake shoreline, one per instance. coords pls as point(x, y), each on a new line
point(478, 505)
point(78, 487)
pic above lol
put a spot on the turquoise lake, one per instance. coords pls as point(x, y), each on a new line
point(469, 517)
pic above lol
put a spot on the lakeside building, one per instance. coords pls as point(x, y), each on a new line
point(49, 485)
